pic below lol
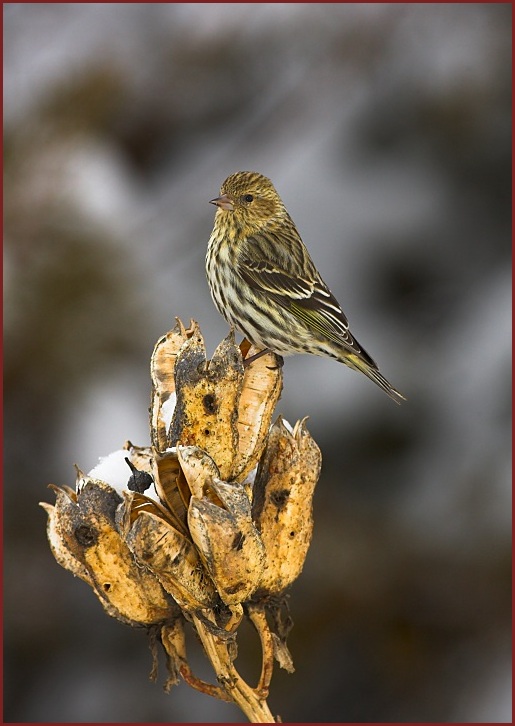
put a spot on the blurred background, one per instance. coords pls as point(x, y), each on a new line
point(386, 129)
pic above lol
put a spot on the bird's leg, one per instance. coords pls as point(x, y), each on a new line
point(254, 357)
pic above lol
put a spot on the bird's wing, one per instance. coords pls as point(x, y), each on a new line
point(309, 300)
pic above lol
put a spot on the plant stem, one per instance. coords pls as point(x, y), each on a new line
point(246, 698)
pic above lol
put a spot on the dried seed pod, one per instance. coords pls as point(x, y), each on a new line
point(282, 505)
point(207, 397)
point(87, 530)
point(261, 389)
point(60, 550)
point(168, 480)
point(198, 468)
point(162, 367)
point(173, 559)
point(228, 542)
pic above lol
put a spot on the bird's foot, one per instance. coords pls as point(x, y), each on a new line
point(279, 359)
point(254, 357)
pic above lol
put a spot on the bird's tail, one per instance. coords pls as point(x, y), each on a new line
point(359, 364)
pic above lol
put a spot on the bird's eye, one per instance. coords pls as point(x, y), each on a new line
point(248, 198)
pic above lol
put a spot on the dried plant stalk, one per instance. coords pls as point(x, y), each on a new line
point(229, 524)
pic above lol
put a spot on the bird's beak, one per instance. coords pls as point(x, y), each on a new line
point(224, 202)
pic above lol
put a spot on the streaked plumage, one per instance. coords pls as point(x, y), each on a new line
point(264, 282)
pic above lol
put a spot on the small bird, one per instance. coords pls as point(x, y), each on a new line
point(264, 283)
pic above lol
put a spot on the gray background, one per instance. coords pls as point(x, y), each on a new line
point(387, 131)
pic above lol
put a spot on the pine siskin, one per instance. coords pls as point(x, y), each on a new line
point(265, 284)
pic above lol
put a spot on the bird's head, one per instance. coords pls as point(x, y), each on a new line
point(250, 199)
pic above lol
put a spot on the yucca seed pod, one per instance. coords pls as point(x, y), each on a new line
point(85, 523)
point(282, 506)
